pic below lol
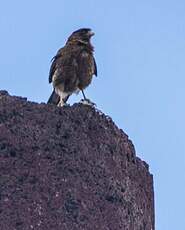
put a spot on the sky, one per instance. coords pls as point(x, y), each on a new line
point(140, 53)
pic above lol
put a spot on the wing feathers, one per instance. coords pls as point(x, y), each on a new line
point(53, 67)
point(73, 66)
point(95, 67)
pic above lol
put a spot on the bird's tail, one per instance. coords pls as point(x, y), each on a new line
point(54, 98)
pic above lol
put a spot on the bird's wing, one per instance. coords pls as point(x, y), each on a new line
point(53, 67)
point(86, 64)
point(54, 64)
point(95, 67)
point(64, 68)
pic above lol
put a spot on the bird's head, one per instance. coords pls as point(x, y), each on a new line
point(84, 35)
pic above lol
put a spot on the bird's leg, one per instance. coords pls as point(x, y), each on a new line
point(63, 101)
point(66, 98)
point(84, 95)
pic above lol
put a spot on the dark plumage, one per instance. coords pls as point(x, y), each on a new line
point(73, 67)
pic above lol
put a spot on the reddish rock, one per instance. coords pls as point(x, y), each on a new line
point(69, 168)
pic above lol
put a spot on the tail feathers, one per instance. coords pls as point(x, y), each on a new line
point(54, 98)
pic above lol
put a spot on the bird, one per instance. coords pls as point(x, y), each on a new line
point(73, 67)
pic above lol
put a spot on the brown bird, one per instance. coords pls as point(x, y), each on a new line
point(73, 67)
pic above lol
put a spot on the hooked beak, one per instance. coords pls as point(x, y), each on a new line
point(91, 33)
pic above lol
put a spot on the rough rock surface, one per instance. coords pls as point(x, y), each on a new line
point(69, 168)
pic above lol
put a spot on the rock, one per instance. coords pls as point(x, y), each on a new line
point(69, 168)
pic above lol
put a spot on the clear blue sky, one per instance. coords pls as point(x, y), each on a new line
point(140, 53)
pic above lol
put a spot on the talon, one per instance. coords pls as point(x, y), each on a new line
point(87, 102)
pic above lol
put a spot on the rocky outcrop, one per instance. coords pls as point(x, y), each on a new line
point(69, 168)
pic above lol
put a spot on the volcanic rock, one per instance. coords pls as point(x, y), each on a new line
point(69, 168)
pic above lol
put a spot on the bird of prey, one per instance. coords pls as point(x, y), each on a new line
point(73, 67)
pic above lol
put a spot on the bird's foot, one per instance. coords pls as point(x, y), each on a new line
point(66, 104)
point(62, 104)
point(88, 102)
